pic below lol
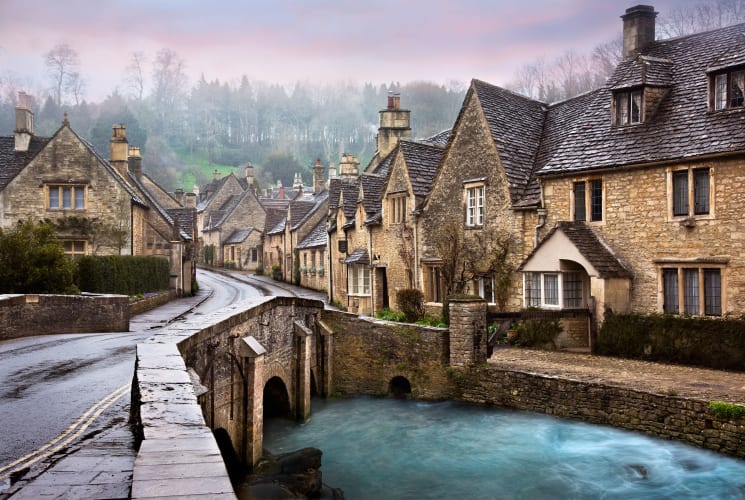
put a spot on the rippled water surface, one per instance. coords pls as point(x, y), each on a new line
point(393, 449)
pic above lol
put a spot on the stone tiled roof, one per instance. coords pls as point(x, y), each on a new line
point(642, 70)
point(441, 139)
point(238, 236)
point(185, 218)
point(299, 210)
point(516, 126)
point(275, 220)
point(319, 202)
point(347, 186)
point(421, 161)
point(359, 256)
point(682, 125)
point(318, 237)
point(372, 189)
point(12, 161)
point(591, 246)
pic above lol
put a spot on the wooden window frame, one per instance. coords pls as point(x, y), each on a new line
point(693, 285)
point(691, 206)
point(60, 189)
point(592, 203)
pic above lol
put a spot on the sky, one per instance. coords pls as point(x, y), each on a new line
point(316, 41)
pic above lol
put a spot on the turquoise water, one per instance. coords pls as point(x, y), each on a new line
point(393, 449)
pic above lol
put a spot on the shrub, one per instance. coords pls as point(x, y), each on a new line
point(538, 333)
point(122, 274)
point(727, 410)
point(259, 271)
point(411, 303)
point(391, 315)
point(276, 272)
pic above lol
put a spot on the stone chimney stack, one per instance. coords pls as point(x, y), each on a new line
point(135, 161)
point(250, 177)
point(297, 183)
point(24, 129)
point(179, 195)
point(216, 175)
point(191, 200)
point(395, 124)
point(638, 29)
point(349, 166)
point(119, 148)
point(318, 183)
point(280, 190)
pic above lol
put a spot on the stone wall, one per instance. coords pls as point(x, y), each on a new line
point(369, 353)
point(28, 315)
point(668, 417)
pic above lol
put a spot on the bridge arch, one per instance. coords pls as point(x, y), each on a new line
point(399, 387)
point(276, 399)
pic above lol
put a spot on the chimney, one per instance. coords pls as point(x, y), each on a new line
point(216, 175)
point(118, 149)
point(297, 183)
point(280, 190)
point(135, 161)
point(250, 176)
point(349, 166)
point(24, 129)
point(191, 200)
point(179, 195)
point(318, 177)
point(638, 29)
point(395, 124)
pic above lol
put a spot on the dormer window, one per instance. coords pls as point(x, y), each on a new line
point(628, 107)
point(729, 89)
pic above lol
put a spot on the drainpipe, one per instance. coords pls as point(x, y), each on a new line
point(541, 222)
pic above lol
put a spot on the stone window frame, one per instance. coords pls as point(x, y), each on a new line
point(721, 82)
point(681, 269)
point(623, 107)
point(71, 250)
point(60, 188)
point(591, 198)
point(671, 174)
point(397, 206)
point(432, 269)
point(474, 213)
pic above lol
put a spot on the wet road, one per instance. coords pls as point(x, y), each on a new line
point(49, 382)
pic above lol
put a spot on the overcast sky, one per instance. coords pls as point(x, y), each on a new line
point(312, 40)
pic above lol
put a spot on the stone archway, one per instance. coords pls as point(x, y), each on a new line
point(399, 387)
point(276, 399)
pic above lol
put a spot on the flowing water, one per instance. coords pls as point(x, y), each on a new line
point(397, 449)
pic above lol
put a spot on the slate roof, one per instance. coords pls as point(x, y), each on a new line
point(421, 161)
point(318, 237)
point(642, 70)
point(440, 139)
point(516, 126)
point(299, 210)
point(12, 161)
point(372, 190)
point(238, 236)
point(359, 256)
point(591, 246)
point(275, 220)
point(349, 186)
point(319, 201)
point(185, 218)
point(682, 125)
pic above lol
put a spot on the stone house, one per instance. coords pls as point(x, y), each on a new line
point(643, 190)
point(235, 231)
point(274, 240)
point(103, 207)
point(210, 198)
point(312, 252)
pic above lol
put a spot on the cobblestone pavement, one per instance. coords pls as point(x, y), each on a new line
point(658, 378)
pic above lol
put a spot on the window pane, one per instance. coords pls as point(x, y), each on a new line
point(737, 87)
point(670, 290)
point(67, 197)
point(471, 216)
point(680, 192)
point(53, 197)
point(79, 197)
point(579, 201)
point(533, 289)
point(720, 91)
point(572, 286)
point(701, 191)
point(486, 289)
point(551, 289)
point(636, 105)
point(596, 199)
point(365, 285)
point(480, 206)
point(622, 108)
point(690, 277)
point(79, 246)
point(712, 292)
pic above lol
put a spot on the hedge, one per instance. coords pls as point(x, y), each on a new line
point(717, 343)
point(122, 274)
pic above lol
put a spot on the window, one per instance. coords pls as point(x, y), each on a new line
point(359, 280)
point(434, 284)
point(628, 107)
point(398, 209)
point(729, 89)
point(691, 190)
point(485, 287)
point(254, 255)
point(475, 206)
point(554, 290)
point(588, 198)
point(66, 197)
point(693, 290)
point(75, 248)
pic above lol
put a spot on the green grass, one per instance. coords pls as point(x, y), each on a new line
point(198, 162)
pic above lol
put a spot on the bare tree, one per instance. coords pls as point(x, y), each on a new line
point(703, 16)
point(405, 234)
point(75, 86)
point(62, 62)
point(135, 75)
point(169, 82)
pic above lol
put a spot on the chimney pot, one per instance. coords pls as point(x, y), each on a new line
point(135, 161)
point(191, 200)
point(119, 149)
point(24, 128)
